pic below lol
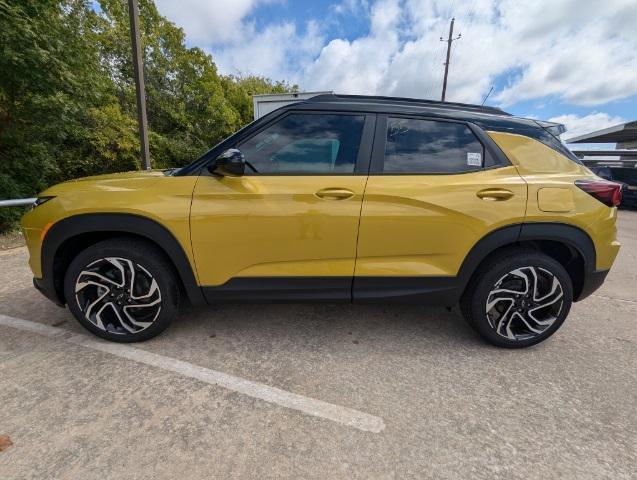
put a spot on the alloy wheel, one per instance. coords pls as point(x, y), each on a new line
point(524, 303)
point(118, 296)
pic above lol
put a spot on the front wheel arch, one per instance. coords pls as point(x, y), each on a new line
point(69, 236)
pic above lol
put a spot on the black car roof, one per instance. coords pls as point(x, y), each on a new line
point(487, 118)
point(380, 103)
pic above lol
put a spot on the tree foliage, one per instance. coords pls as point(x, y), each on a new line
point(67, 94)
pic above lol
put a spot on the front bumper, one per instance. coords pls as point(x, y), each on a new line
point(592, 281)
point(48, 290)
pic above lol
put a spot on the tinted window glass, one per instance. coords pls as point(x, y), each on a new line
point(425, 146)
point(602, 172)
point(306, 143)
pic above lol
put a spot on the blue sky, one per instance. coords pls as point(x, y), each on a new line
point(301, 13)
point(573, 61)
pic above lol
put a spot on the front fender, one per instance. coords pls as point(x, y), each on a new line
point(108, 224)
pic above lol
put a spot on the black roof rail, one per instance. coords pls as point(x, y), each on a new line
point(334, 98)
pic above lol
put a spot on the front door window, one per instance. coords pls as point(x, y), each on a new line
point(318, 144)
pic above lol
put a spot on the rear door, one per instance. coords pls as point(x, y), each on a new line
point(287, 228)
point(435, 189)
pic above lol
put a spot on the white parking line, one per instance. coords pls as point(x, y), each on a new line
point(311, 406)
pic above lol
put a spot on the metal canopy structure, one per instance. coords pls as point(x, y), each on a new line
point(623, 133)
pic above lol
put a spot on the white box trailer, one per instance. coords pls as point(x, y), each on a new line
point(264, 104)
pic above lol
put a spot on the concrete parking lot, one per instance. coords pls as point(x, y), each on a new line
point(319, 391)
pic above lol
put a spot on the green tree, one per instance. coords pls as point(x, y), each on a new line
point(67, 97)
point(46, 65)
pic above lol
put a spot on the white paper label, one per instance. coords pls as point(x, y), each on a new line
point(474, 159)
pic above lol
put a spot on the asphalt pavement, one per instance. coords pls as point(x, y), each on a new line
point(319, 391)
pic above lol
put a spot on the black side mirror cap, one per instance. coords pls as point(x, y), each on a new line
point(230, 163)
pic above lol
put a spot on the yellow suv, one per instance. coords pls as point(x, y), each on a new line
point(339, 199)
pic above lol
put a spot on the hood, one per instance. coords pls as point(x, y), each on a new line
point(120, 176)
point(111, 182)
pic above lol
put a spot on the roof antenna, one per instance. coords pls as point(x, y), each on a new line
point(485, 98)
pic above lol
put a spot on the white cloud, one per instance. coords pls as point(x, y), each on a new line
point(578, 125)
point(582, 52)
point(360, 66)
point(276, 52)
point(349, 6)
point(207, 22)
point(556, 49)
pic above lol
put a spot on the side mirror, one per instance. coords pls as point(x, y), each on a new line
point(230, 163)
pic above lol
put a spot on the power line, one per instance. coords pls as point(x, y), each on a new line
point(449, 41)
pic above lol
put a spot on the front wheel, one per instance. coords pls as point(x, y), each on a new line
point(122, 289)
point(518, 299)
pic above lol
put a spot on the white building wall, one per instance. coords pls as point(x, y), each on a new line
point(264, 104)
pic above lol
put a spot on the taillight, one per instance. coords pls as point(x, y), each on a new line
point(609, 193)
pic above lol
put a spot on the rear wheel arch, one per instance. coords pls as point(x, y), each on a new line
point(569, 245)
point(71, 235)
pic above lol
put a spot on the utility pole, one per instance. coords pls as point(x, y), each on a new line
point(449, 41)
point(138, 66)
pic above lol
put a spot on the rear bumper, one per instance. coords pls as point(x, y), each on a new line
point(592, 281)
point(48, 290)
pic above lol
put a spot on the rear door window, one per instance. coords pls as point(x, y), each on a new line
point(417, 146)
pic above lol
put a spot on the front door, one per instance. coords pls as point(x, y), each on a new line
point(435, 189)
point(287, 229)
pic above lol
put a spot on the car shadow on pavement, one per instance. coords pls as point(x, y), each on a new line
point(281, 324)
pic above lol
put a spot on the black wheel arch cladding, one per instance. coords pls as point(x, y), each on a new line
point(114, 223)
point(146, 228)
point(565, 234)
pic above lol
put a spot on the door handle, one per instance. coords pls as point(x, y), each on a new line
point(495, 194)
point(334, 193)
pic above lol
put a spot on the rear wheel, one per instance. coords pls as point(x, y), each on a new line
point(518, 299)
point(123, 290)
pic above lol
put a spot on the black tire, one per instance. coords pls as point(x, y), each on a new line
point(129, 282)
point(510, 319)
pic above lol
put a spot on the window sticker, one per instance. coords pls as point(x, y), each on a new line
point(474, 159)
